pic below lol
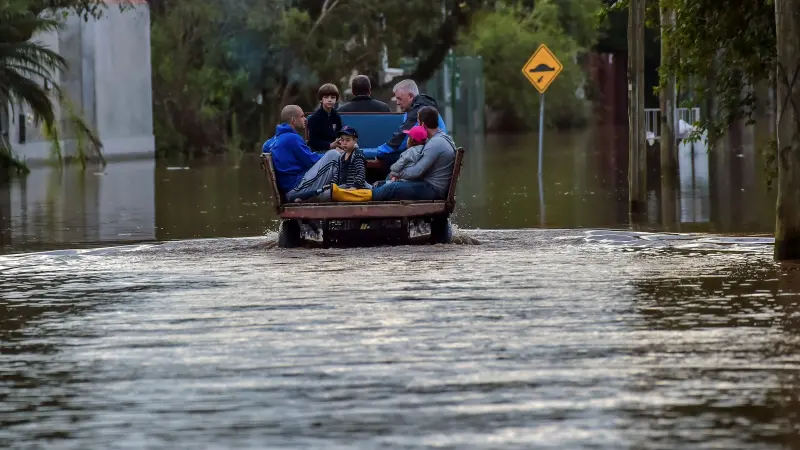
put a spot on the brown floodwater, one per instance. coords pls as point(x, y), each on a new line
point(145, 305)
point(584, 186)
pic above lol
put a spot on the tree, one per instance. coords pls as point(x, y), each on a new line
point(787, 224)
point(436, 37)
point(505, 38)
point(193, 87)
point(732, 47)
point(212, 60)
point(24, 67)
point(728, 46)
point(717, 51)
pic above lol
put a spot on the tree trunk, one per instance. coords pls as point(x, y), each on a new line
point(5, 212)
point(668, 143)
point(637, 163)
point(787, 223)
point(446, 38)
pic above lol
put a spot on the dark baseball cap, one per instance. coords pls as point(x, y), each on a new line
point(349, 131)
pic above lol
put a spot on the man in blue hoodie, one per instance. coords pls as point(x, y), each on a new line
point(298, 170)
point(410, 101)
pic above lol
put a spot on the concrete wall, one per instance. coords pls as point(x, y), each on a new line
point(108, 82)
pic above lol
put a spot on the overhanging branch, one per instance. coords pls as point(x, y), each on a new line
point(446, 38)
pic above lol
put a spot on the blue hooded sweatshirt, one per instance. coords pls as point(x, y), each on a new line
point(290, 155)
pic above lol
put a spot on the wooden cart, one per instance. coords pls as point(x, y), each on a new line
point(365, 223)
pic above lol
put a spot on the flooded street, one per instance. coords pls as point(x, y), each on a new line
point(146, 306)
point(584, 186)
point(531, 339)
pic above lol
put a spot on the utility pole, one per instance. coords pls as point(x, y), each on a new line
point(667, 141)
point(637, 149)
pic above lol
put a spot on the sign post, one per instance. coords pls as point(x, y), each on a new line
point(541, 70)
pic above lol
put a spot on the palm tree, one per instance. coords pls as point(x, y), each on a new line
point(25, 65)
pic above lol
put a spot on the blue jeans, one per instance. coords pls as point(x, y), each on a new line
point(405, 190)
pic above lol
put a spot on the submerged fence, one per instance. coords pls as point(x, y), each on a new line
point(653, 119)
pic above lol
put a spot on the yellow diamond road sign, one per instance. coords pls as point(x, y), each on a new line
point(542, 68)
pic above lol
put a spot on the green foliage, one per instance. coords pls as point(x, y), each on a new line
point(212, 59)
point(720, 50)
point(85, 136)
point(717, 52)
point(192, 90)
point(9, 161)
point(26, 65)
point(84, 8)
point(506, 38)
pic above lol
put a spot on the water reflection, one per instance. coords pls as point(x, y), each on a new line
point(728, 331)
point(584, 185)
point(54, 208)
point(694, 182)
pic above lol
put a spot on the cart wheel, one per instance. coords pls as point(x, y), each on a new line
point(441, 230)
point(289, 235)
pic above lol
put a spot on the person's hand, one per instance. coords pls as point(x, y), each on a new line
point(335, 144)
point(393, 178)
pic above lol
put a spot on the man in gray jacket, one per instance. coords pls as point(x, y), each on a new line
point(429, 178)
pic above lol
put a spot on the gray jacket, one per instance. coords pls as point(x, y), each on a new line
point(436, 164)
point(407, 158)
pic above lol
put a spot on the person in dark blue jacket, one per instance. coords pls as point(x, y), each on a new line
point(362, 100)
point(298, 170)
point(410, 101)
point(324, 124)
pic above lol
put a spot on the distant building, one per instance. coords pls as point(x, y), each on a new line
point(108, 82)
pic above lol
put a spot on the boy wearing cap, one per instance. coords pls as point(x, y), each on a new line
point(352, 163)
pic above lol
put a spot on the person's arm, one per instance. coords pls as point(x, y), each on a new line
point(303, 154)
point(370, 153)
point(337, 179)
point(337, 120)
point(419, 169)
point(267, 147)
point(398, 140)
point(401, 163)
point(385, 149)
point(317, 134)
point(358, 172)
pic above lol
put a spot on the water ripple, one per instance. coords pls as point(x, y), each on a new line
point(532, 339)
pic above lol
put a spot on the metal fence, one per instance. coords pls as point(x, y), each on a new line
point(458, 87)
point(652, 119)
